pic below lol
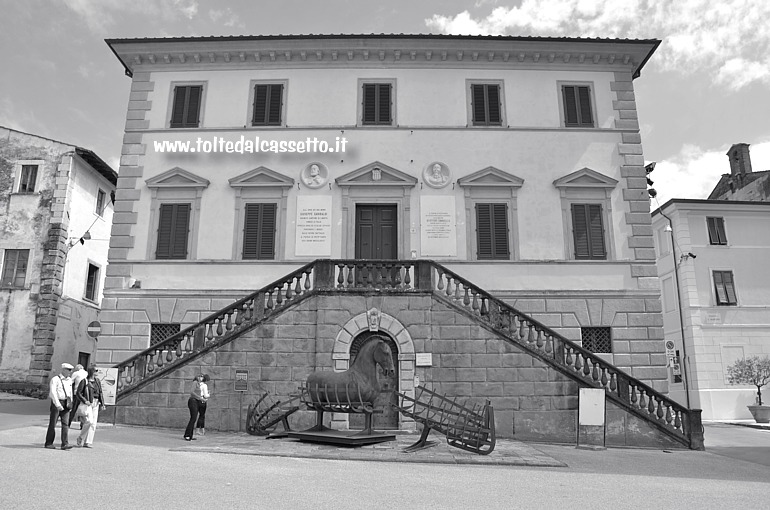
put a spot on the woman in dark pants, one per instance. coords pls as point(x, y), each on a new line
point(202, 407)
point(194, 403)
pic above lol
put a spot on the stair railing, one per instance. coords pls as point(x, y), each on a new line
point(644, 401)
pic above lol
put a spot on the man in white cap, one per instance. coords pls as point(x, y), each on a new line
point(60, 396)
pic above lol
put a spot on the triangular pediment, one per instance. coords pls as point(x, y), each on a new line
point(261, 177)
point(585, 178)
point(177, 178)
point(491, 176)
point(376, 174)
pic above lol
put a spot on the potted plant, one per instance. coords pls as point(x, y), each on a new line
point(754, 370)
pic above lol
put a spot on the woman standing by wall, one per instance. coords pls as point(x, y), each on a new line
point(205, 395)
point(194, 404)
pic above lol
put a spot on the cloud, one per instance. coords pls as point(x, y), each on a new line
point(728, 40)
point(228, 17)
point(99, 15)
point(694, 172)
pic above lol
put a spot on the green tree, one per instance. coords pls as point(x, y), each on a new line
point(754, 370)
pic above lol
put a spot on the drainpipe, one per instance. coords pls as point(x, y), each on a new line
point(685, 360)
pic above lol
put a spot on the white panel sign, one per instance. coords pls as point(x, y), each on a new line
point(108, 377)
point(314, 226)
point(423, 359)
point(591, 406)
point(438, 232)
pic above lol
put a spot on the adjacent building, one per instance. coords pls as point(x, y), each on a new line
point(516, 162)
point(54, 236)
point(712, 259)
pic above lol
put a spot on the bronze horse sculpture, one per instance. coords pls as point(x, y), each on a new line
point(353, 390)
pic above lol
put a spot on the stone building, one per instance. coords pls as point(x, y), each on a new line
point(716, 286)
point(54, 237)
point(455, 187)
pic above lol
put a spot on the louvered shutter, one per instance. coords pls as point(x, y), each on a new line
point(193, 106)
point(493, 102)
point(177, 113)
point(478, 107)
point(596, 231)
point(580, 231)
point(259, 231)
point(730, 287)
point(492, 232)
point(588, 231)
point(173, 231)
point(712, 228)
point(369, 104)
point(720, 288)
point(484, 231)
point(260, 104)
point(275, 104)
point(584, 98)
point(570, 106)
point(9, 267)
point(383, 97)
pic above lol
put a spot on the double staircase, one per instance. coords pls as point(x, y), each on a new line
point(326, 276)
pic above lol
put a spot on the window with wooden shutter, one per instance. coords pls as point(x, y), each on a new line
point(259, 231)
point(28, 179)
point(173, 231)
point(724, 285)
point(92, 283)
point(577, 106)
point(716, 228)
point(14, 268)
point(485, 104)
point(185, 112)
point(268, 104)
point(588, 232)
point(492, 232)
point(376, 104)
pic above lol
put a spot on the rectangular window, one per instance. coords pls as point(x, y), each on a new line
point(724, 285)
point(588, 232)
point(716, 228)
point(186, 106)
point(161, 331)
point(485, 105)
point(259, 232)
point(101, 197)
point(173, 231)
point(92, 283)
point(376, 104)
point(577, 106)
point(492, 232)
point(597, 339)
point(15, 268)
point(268, 104)
point(28, 178)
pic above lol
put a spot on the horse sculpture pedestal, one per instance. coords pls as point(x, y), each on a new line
point(351, 391)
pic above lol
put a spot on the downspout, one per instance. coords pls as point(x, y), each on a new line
point(685, 360)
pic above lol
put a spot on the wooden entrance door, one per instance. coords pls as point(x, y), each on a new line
point(376, 232)
point(388, 419)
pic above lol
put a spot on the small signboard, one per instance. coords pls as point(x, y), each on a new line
point(108, 377)
point(423, 359)
point(591, 418)
point(94, 328)
point(241, 380)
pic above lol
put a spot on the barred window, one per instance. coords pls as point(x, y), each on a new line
point(161, 331)
point(597, 339)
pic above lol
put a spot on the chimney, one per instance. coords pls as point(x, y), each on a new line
point(740, 161)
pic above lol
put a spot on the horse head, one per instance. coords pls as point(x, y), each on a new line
point(384, 358)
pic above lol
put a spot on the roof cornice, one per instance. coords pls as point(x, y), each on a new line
point(384, 50)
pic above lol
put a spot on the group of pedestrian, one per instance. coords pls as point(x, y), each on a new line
point(74, 396)
point(197, 405)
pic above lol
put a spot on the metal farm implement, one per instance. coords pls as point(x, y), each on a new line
point(267, 412)
point(471, 429)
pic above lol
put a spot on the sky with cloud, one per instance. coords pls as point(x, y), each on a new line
point(706, 87)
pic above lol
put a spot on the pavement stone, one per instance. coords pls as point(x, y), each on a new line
point(506, 452)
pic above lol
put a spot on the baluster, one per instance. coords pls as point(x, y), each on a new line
point(568, 360)
point(475, 306)
point(279, 297)
point(239, 315)
point(578, 362)
point(220, 330)
point(150, 365)
point(549, 344)
point(398, 276)
point(642, 401)
point(449, 287)
point(269, 305)
point(340, 275)
point(159, 362)
point(298, 287)
point(651, 406)
point(440, 283)
point(678, 420)
point(613, 382)
point(604, 377)
point(457, 291)
point(370, 275)
point(121, 378)
point(522, 325)
point(484, 310)
point(170, 352)
point(466, 298)
point(229, 323)
point(586, 368)
point(668, 415)
point(633, 394)
point(307, 279)
point(188, 347)
point(131, 376)
point(179, 348)
point(595, 371)
point(249, 310)
point(539, 341)
point(407, 277)
point(288, 289)
point(531, 334)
